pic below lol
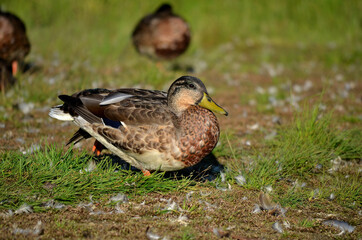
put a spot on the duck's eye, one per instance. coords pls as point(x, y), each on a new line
point(191, 85)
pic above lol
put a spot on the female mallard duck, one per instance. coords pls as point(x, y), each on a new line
point(151, 130)
point(162, 34)
point(14, 44)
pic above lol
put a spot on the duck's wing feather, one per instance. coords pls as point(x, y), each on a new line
point(131, 106)
point(106, 110)
point(127, 107)
point(75, 107)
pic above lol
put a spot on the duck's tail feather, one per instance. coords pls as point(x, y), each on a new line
point(58, 113)
point(76, 108)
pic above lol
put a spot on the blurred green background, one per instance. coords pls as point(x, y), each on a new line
point(83, 44)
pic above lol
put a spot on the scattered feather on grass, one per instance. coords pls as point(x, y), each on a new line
point(277, 227)
point(343, 226)
point(271, 135)
point(189, 195)
point(223, 188)
point(208, 206)
point(7, 214)
point(220, 233)
point(319, 166)
point(171, 206)
point(120, 197)
point(118, 209)
point(151, 235)
point(53, 204)
point(36, 231)
point(240, 179)
point(25, 208)
point(182, 219)
point(265, 202)
point(99, 212)
point(26, 108)
point(33, 148)
point(223, 177)
point(297, 184)
point(336, 163)
point(286, 224)
point(204, 194)
point(268, 205)
point(90, 167)
point(88, 206)
point(268, 188)
point(256, 209)
point(332, 196)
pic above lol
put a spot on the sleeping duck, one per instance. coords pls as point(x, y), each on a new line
point(150, 129)
point(14, 44)
point(161, 35)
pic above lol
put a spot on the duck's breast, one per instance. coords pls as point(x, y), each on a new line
point(199, 134)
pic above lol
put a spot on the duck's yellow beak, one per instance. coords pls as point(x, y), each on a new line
point(208, 103)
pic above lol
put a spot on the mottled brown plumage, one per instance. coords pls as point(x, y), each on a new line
point(152, 130)
point(14, 45)
point(161, 35)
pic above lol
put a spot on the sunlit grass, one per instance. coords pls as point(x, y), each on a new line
point(24, 178)
point(303, 151)
point(294, 155)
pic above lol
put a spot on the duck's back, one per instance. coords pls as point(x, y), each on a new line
point(161, 35)
point(171, 37)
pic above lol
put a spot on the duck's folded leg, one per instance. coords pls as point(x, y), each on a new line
point(97, 148)
point(14, 65)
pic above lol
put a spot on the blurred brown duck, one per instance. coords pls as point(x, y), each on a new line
point(150, 129)
point(14, 44)
point(161, 35)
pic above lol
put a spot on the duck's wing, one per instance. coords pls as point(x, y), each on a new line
point(133, 107)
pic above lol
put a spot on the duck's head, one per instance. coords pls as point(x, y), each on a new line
point(187, 91)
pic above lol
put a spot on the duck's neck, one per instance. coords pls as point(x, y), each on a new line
point(180, 101)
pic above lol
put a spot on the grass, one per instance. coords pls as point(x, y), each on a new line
point(25, 178)
point(311, 141)
point(292, 157)
point(307, 223)
point(304, 151)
